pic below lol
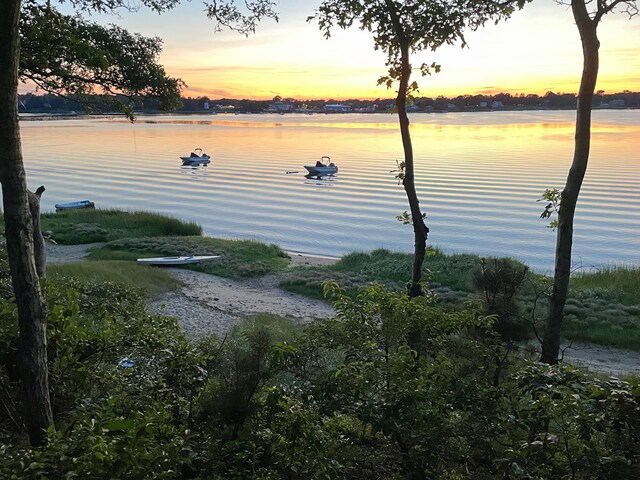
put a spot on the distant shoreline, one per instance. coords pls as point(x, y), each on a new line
point(73, 116)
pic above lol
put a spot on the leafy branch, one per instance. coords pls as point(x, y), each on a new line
point(552, 197)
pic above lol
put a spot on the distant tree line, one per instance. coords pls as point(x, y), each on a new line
point(47, 103)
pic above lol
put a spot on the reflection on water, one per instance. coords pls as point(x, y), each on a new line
point(321, 181)
point(478, 177)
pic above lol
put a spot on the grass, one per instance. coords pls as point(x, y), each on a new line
point(238, 258)
point(603, 307)
point(74, 227)
point(603, 334)
point(154, 281)
point(624, 282)
point(448, 275)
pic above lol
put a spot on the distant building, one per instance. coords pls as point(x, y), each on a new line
point(337, 108)
point(368, 109)
point(280, 107)
point(206, 105)
point(483, 105)
point(497, 104)
point(617, 103)
point(451, 106)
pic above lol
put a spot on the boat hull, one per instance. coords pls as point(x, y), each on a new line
point(195, 160)
point(313, 170)
point(74, 205)
point(182, 260)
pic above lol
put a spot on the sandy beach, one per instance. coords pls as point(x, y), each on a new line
point(210, 304)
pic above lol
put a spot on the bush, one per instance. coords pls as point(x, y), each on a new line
point(498, 280)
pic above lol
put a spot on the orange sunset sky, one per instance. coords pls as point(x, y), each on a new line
point(537, 50)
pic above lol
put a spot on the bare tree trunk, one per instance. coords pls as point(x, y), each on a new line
point(569, 198)
point(420, 230)
point(38, 239)
point(19, 234)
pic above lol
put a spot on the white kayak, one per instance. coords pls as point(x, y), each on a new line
point(183, 260)
point(72, 205)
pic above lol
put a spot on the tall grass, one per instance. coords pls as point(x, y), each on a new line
point(154, 281)
point(72, 227)
point(627, 336)
point(623, 282)
point(392, 269)
point(238, 258)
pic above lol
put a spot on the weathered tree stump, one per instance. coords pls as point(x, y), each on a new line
point(38, 239)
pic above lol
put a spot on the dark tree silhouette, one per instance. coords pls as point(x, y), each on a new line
point(587, 22)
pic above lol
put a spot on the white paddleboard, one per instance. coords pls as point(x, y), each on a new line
point(184, 260)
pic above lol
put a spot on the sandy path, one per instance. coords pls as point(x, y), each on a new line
point(209, 304)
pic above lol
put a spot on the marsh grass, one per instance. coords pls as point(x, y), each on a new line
point(448, 275)
point(623, 282)
point(604, 307)
point(153, 281)
point(603, 333)
point(238, 258)
point(96, 225)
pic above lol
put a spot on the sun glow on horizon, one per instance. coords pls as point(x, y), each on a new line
point(536, 51)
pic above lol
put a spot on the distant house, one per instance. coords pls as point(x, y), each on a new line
point(337, 108)
point(206, 105)
point(617, 103)
point(368, 109)
point(497, 104)
point(483, 105)
point(451, 106)
point(280, 107)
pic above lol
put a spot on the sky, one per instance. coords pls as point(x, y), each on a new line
point(535, 51)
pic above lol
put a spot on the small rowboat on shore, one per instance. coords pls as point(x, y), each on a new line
point(182, 260)
point(73, 205)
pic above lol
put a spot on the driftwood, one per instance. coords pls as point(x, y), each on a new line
point(38, 239)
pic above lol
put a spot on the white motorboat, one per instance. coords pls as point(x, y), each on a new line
point(197, 157)
point(74, 205)
point(324, 166)
point(182, 260)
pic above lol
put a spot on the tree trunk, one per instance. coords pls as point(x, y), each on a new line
point(569, 197)
point(38, 240)
point(420, 230)
point(19, 235)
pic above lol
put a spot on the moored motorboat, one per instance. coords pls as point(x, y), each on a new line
point(180, 260)
point(197, 157)
point(74, 205)
point(324, 166)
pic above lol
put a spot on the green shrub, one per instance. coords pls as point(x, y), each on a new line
point(498, 281)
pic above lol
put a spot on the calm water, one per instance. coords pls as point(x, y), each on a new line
point(478, 175)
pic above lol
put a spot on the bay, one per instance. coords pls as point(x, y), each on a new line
point(478, 175)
